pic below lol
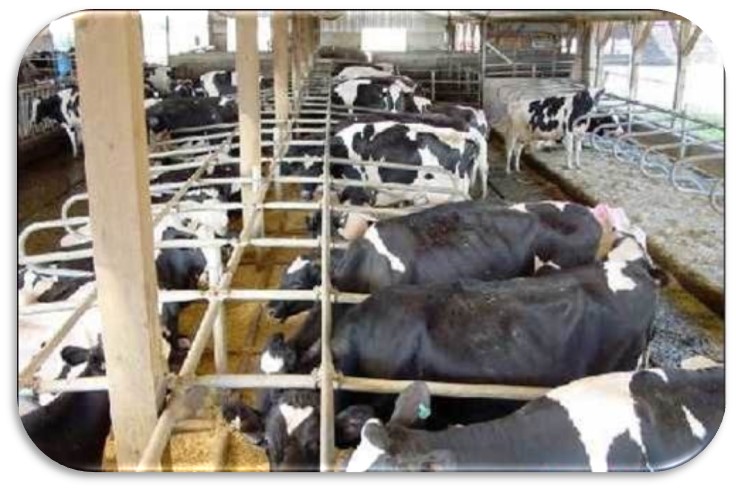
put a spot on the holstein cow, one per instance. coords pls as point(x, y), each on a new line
point(390, 93)
point(540, 331)
point(475, 118)
point(425, 141)
point(158, 78)
point(289, 429)
point(647, 420)
point(63, 108)
point(220, 82)
point(431, 142)
point(188, 88)
point(470, 240)
point(551, 119)
point(181, 267)
point(361, 71)
point(303, 273)
point(72, 429)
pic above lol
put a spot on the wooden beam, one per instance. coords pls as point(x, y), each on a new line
point(110, 61)
point(685, 36)
point(293, 55)
point(249, 117)
point(585, 53)
point(640, 32)
point(603, 31)
point(280, 37)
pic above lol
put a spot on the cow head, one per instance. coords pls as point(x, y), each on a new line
point(302, 274)
point(376, 451)
point(289, 432)
point(278, 356)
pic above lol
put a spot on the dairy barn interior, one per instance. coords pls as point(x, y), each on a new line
point(171, 179)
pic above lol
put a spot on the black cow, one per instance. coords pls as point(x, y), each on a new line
point(180, 112)
point(72, 429)
point(539, 331)
point(469, 240)
point(289, 428)
point(62, 108)
point(648, 420)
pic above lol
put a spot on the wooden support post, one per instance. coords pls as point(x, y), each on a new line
point(483, 54)
point(602, 35)
point(685, 36)
point(280, 36)
point(639, 34)
point(296, 52)
point(584, 54)
point(110, 60)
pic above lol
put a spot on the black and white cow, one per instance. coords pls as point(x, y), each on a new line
point(448, 154)
point(475, 118)
point(350, 72)
point(63, 108)
point(36, 330)
point(72, 429)
point(541, 331)
point(470, 240)
point(219, 82)
point(180, 112)
point(551, 118)
point(158, 78)
point(289, 428)
point(390, 93)
point(648, 420)
point(181, 267)
point(303, 273)
point(422, 140)
point(188, 88)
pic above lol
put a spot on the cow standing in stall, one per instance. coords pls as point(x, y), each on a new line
point(549, 119)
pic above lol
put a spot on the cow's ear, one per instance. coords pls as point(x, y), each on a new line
point(439, 460)
point(74, 355)
point(413, 405)
point(349, 422)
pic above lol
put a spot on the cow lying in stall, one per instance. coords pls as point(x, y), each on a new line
point(647, 420)
point(73, 428)
point(551, 119)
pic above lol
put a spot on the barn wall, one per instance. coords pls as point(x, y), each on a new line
point(424, 31)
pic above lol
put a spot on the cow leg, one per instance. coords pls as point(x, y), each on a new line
point(510, 154)
point(72, 138)
point(578, 149)
point(568, 139)
point(517, 162)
